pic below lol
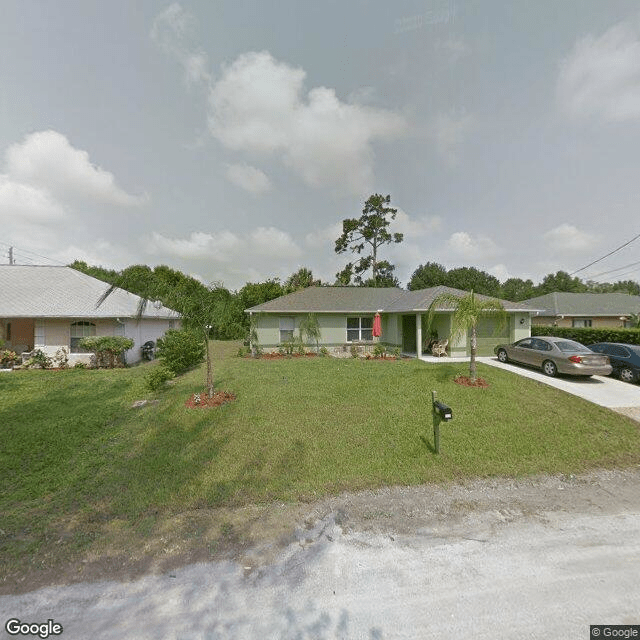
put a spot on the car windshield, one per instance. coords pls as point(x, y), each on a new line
point(569, 345)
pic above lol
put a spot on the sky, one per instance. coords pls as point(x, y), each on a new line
point(229, 140)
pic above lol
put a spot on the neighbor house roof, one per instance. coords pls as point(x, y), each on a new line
point(62, 292)
point(562, 303)
point(364, 300)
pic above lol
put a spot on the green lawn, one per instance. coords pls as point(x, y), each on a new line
point(77, 461)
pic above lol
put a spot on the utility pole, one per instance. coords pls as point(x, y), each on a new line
point(11, 260)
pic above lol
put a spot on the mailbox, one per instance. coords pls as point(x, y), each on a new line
point(442, 410)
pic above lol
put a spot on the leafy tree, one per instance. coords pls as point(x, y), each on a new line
point(468, 310)
point(428, 275)
point(369, 229)
point(516, 289)
point(301, 279)
point(560, 281)
point(472, 279)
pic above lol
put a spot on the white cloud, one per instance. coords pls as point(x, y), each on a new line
point(499, 271)
point(259, 106)
point(472, 247)
point(569, 238)
point(226, 246)
point(220, 247)
point(46, 161)
point(601, 76)
point(269, 241)
point(414, 227)
point(248, 178)
point(173, 31)
point(325, 235)
point(26, 203)
point(449, 131)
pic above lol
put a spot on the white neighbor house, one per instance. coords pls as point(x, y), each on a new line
point(48, 308)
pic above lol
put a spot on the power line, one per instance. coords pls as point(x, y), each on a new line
point(22, 251)
point(606, 256)
point(604, 273)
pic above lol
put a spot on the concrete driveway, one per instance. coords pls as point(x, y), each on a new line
point(605, 391)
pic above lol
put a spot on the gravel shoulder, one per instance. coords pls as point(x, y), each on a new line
point(493, 558)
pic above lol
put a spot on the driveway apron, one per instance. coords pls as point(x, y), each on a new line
point(601, 390)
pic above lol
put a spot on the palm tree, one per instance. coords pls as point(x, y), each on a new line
point(467, 310)
point(310, 327)
point(198, 304)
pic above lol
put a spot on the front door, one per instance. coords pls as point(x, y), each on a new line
point(409, 344)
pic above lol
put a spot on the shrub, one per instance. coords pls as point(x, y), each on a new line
point(8, 358)
point(62, 358)
point(354, 351)
point(39, 359)
point(324, 352)
point(157, 377)
point(79, 365)
point(379, 350)
point(286, 348)
point(180, 350)
point(589, 335)
point(108, 351)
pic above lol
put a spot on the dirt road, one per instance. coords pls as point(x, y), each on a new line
point(537, 558)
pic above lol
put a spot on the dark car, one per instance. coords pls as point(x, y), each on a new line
point(625, 359)
point(555, 355)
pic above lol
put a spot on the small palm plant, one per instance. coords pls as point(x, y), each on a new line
point(467, 311)
point(310, 327)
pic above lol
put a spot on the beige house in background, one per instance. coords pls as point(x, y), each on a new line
point(597, 310)
point(48, 308)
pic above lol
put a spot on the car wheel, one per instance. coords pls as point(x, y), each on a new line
point(502, 355)
point(549, 368)
point(627, 375)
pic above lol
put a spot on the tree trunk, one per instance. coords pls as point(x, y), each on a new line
point(209, 367)
point(474, 350)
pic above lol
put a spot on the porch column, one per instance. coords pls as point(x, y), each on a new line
point(419, 334)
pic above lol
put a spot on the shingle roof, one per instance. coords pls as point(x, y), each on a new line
point(363, 300)
point(62, 292)
point(562, 303)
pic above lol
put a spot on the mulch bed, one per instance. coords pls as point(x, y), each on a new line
point(279, 356)
point(465, 381)
point(219, 398)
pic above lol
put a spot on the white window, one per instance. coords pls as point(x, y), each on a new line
point(80, 330)
point(359, 328)
point(118, 330)
point(38, 333)
point(582, 322)
point(287, 326)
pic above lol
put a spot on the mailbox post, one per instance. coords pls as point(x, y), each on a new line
point(440, 412)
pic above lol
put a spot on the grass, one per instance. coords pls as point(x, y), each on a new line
point(77, 463)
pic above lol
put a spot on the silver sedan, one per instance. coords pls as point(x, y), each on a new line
point(555, 355)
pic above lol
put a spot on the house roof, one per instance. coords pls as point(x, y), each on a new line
point(562, 303)
point(364, 300)
point(62, 292)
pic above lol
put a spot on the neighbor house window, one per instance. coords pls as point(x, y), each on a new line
point(582, 322)
point(287, 326)
point(38, 333)
point(359, 328)
point(80, 330)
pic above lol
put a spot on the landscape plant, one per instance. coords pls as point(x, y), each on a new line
point(310, 329)
point(467, 311)
point(108, 351)
point(179, 350)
